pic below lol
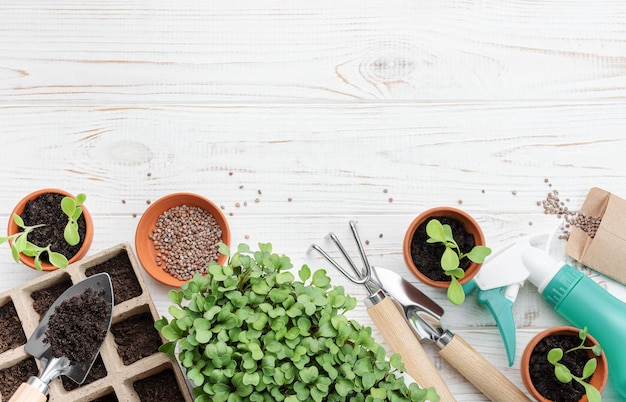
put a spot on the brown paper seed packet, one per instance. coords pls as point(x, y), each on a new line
point(605, 252)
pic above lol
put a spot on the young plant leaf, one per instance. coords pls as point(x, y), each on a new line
point(447, 235)
point(589, 368)
point(57, 259)
point(18, 220)
point(71, 234)
point(68, 206)
point(555, 355)
point(455, 292)
point(562, 373)
point(434, 229)
point(449, 260)
point(478, 254)
point(80, 199)
point(593, 395)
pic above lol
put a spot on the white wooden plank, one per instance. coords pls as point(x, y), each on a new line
point(234, 51)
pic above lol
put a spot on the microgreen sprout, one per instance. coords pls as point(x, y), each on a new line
point(20, 244)
point(71, 208)
point(563, 373)
point(249, 330)
point(452, 256)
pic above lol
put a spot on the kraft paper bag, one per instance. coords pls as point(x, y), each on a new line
point(606, 252)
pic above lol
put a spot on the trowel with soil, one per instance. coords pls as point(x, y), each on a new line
point(69, 336)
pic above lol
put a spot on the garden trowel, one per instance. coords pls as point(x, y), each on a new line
point(424, 315)
point(36, 388)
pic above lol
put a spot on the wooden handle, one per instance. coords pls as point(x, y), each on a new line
point(28, 393)
point(392, 324)
point(473, 366)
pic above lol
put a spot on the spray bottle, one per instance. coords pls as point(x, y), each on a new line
point(585, 304)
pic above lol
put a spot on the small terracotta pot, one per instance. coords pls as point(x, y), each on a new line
point(471, 226)
point(88, 238)
point(147, 253)
point(598, 379)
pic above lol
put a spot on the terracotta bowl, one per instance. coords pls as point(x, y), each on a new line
point(470, 225)
point(88, 238)
point(146, 251)
point(598, 379)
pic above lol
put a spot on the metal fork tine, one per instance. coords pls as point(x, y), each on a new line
point(352, 278)
point(366, 263)
point(335, 239)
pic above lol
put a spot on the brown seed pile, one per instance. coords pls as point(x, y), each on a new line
point(553, 205)
point(186, 239)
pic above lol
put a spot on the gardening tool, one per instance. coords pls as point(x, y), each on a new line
point(498, 283)
point(423, 316)
point(389, 319)
point(36, 388)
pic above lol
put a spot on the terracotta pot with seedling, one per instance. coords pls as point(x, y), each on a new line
point(444, 248)
point(249, 330)
point(49, 229)
point(564, 364)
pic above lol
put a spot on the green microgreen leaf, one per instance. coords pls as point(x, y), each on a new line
point(449, 260)
point(249, 331)
point(589, 368)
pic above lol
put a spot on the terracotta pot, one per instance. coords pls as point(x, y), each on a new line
point(598, 379)
point(88, 238)
point(147, 253)
point(470, 225)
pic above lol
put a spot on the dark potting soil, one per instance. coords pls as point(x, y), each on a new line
point(44, 298)
point(542, 372)
point(78, 326)
point(427, 256)
point(136, 338)
point(106, 398)
point(125, 283)
point(12, 377)
point(46, 209)
point(11, 332)
point(159, 387)
point(98, 371)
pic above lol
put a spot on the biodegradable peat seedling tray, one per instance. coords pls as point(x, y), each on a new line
point(129, 367)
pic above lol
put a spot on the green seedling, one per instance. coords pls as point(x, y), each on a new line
point(250, 330)
point(452, 256)
point(564, 375)
point(20, 244)
point(71, 208)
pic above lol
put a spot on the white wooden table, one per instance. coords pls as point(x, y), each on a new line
point(358, 110)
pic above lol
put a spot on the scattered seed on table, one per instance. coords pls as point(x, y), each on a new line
point(380, 235)
point(514, 192)
point(256, 200)
point(134, 215)
point(187, 238)
point(390, 199)
point(530, 223)
point(460, 202)
point(482, 191)
point(259, 191)
point(123, 201)
point(385, 190)
point(223, 206)
point(230, 173)
point(245, 203)
point(148, 202)
point(149, 174)
point(289, 199)
point(237, 204)
point(230, 214)
point(241, 186)
point(247, 236)
point(367, 242)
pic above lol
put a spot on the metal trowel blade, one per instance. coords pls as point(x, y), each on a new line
point(36, 347)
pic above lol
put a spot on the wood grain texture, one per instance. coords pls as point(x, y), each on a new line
point(298, 116)
point(86, 51)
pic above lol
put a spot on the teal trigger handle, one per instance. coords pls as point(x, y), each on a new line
point(501, 309)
